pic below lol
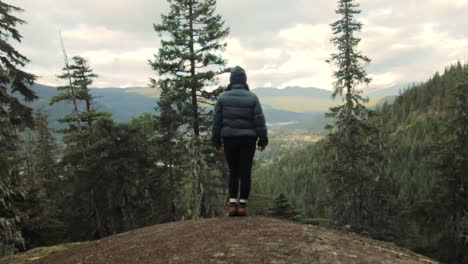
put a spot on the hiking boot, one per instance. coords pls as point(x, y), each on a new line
point(242, 209)
point(233, 208)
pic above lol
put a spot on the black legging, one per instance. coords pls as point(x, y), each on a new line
point(239, 152)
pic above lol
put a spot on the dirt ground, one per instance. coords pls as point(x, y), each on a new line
point(234, 240)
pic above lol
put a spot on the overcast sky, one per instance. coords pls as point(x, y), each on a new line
point(279, 43)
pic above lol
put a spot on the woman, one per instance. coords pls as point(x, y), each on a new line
point(238, 124)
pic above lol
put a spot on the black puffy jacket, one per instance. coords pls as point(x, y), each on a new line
point(238, 113)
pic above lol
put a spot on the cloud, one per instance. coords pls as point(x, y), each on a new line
point(280, 43)
point(386, 79)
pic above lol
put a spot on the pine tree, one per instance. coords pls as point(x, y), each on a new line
point(46, 153)
point(187, 63)
point(13, 81)
point(451, 191)
point(69, 93)
point(43, 226)
point(353, 171)
point(154, 154)
point(82, 76)
point(112, 188)
point(419, 208)
point(12, 216)
point(78, 76)
point(282, 208)
point(169, 138)
point(14, 116)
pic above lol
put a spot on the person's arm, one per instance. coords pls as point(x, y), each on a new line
point(217, 123)
point(260, 126)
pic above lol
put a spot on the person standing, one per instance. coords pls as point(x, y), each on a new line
point(239, 126)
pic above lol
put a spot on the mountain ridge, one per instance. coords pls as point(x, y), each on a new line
point(126, 103)
point(280, 105)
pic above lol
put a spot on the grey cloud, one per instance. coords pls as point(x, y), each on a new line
point(258, 22)
point(255, 24)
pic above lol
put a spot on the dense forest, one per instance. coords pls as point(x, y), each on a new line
point(396, 173)
point(424, 137)
point(104, 177)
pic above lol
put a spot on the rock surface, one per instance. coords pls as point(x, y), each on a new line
point(234, 240)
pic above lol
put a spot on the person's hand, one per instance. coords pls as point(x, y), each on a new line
point(261, 148)
point(218, 149)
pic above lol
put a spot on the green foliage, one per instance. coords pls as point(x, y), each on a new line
point(299, 175)
point(12, 194)
point(450, 192)
point(417, 134)
point(14, 116)
point(110, 184)
point(45, 151)
point(78, 76)
point(282, 208)
point(349, 60)
point(191, 40)
point(355, 174)
point(13, 80)
point(35, 254)
point(40, 159)
point(188, 63)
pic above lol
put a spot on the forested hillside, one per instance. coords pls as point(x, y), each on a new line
point(80, 164)
point(413, 127)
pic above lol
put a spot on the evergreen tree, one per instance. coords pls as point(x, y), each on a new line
point(451, 191)
point(187, 63)
point(43, 227)
point(353, 171)
point(113, 187)
point(153, 155)
point(78, 76)
point(14, 116)
point(13, 81)
point(82, 76)
point(282, 208)
point(12, 216)
point(411, 191)
point(69, 93)
point(46, 153)
point(169, 138)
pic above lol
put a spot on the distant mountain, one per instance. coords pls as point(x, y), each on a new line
point(300, 99)
point(387, 92)
point(122, 103)
point(291, 104)
point(293, 91)
point(126, 103)
point(326, 94)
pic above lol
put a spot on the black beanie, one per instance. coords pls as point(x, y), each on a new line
point(238, 76)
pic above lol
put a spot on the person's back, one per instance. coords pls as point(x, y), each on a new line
point(241, 114)
point(238, 124)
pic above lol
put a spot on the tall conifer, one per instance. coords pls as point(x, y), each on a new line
point(15, 84)
point(188, 63)
point(353, 171)
point(78, 76)
point(451, 189)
